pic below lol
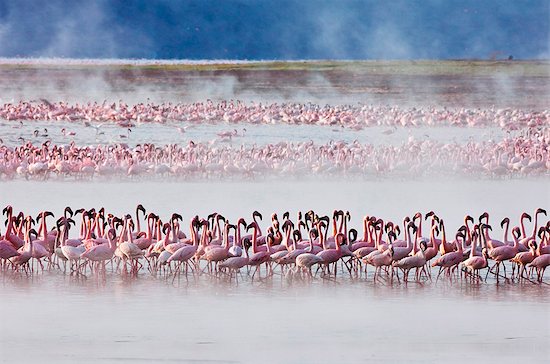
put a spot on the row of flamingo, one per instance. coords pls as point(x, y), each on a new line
point(521, 156)
point(234, 111)
point(295, 246)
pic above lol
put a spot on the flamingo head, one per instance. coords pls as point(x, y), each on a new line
point(69, 210)
point(286, 215)
point(176, 217)
point(34, 233)
point(396, 230)
point(418, 215)
point(7, 210)
point(431, 213)
point(504, 221)
point(352, 235)
point(485, 216)
point(423, 245)
point(468, 218)
point(541, 232)
point(252, 225)
point(246, 243)
point(111, 234)
point(525, 215)
point(326, 219)
point(540, 211)
point(257, 214)
point(516, 232)
point(287, 225)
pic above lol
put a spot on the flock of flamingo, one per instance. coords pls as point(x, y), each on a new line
point(523, 156)
point(303, 248)
point(525, 153)
point(235, 111)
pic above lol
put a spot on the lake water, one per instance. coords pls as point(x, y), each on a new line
point(52, 317)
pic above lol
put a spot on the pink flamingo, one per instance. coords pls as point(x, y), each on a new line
point(25, 253)
point(258, 257)
point(525, 241)
point(381, 260)
point(450, 260)
point(523, 258)
point(475, 262)
point(417, 261)
point(504, 252)
point(236, 263)
point(217, 254)
point(103, 252)
point(14, 239)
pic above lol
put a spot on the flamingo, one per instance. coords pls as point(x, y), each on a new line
point(235, 263)
point(452, 259)
point(25, 253)
point(383, 259)
point(103, 252)
point(475, 262)
point(258, 257)
point(504, 252)
point(523, 258)
point(217, 254)
point(525, 241)
point(417, 261)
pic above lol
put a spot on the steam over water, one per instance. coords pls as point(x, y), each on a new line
point(153, 318)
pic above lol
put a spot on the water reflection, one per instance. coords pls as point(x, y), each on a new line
point(155, 319)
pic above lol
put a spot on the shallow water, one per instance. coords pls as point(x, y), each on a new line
point(152, 319)
point(161, 134)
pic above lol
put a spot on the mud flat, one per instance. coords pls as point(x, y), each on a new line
point(484, 84)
